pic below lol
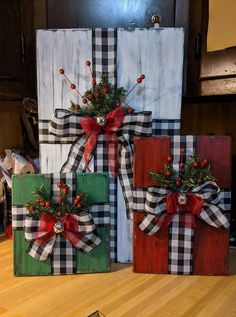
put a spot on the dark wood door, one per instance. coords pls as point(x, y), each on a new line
point(17, 49)
point(109, 13)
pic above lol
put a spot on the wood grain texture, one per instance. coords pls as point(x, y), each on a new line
point(158, 53)
point(96, 188)
point(156, 151)
point(211, 244)
point(145, 258)
point(10, 125)
point(120, 293)
point(210, 248)
point(67, 49)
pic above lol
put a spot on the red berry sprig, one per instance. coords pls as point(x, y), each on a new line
point(138, 81)
point(72, 86)
point(191, 174)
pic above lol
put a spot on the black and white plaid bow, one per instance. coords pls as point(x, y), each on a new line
point(66, 125)
point(84, 240)
point(155, 207)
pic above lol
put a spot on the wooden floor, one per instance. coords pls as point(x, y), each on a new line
point(119, 293)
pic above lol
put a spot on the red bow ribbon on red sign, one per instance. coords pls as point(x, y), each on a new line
point(113, 121)
point(48, 225)
point(187, 211)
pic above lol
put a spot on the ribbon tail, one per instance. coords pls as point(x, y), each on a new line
point(83, 242)
point(75, 161)
point(151, 224)
point(112, 145)
point(213, 215)
point(41, 251)
point(126, 174)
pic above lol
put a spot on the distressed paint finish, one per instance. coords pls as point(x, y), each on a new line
point(210, 248)
point(67, 49)
point(211, 241)
point(157, 53)
point(96, 188)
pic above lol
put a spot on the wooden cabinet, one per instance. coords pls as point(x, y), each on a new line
point(17, 49)
point(209, 73)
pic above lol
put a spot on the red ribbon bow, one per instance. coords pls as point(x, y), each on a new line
point(113, 121)
point(187, 211)
point(47, 229)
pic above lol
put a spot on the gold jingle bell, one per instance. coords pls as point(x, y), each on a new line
point(182, 198)
point(58, 227)
point(101, 121)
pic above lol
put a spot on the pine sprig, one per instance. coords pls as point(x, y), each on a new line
point(191, 174)
point(43, 203)
point(102, 97)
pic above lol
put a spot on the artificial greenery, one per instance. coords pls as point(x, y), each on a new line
point(100, 99)
point(191, 174)
point(43, 203)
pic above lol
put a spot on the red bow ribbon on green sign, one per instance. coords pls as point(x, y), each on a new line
point(109, 124)
point(67, 227)
point(78, 229)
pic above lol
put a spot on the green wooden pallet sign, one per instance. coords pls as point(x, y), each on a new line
point(95, 185)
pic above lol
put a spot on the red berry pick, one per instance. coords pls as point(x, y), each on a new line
point(72, 86)
point(195, 164)
point(88, 63)
point(181, 165)
point(105, 89)
point(59, 185)
point(61, 71)
point(169, 158)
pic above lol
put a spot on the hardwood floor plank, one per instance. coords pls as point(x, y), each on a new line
point(120, 293)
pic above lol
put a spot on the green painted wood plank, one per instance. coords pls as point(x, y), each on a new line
point(94, 185)
point(24, 185)
point(98, 259)
point(25, 264)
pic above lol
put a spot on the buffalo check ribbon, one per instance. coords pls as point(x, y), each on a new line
point(77, 229)
point(65, 124)
point(161, 206)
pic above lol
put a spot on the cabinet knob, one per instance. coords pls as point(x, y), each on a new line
point(156, 19)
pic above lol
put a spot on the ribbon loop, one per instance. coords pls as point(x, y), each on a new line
point(161, 207)
point(66, 125)
point(78, 229)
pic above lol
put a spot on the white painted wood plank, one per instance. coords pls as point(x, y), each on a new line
point(67, 49)
point(124, 230)
point(158, 53)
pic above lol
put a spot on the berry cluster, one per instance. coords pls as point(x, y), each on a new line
point(43, 203)
point(191, 174)
point(102, 97)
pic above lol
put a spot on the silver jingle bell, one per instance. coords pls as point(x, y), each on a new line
point(101, 121)
point(58, 227)
point(182, 198)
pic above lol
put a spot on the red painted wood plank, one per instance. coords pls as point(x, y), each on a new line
point(210, 250)
point(211, 244)
point(150, 153)
point(217, 149)
point(150, 253)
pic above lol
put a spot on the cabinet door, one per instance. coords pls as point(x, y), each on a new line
point(17, 49)
point(109, 13)
point(209, 73)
